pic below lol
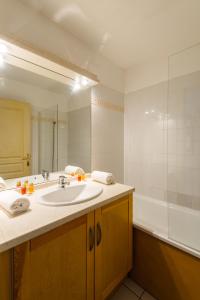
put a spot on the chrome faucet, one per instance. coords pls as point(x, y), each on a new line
point(45, 174)
point(63, 181)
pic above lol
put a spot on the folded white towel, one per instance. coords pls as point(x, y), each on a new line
point(74, 170)
point(103, 177)
point(2, 184)
point(13, 202)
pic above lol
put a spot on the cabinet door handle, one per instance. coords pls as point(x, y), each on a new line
point(91, 238)
point(99, 234)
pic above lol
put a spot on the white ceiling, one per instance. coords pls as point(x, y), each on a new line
point(127, 32)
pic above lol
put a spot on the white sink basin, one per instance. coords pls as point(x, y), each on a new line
point(73, 194)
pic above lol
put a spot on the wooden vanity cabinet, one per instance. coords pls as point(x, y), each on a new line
point(113, 251)
point(84, 259)
point(57, 265)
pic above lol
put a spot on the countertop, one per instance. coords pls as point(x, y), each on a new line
point(40, 219)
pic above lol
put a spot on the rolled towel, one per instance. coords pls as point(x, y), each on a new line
point(2, 184)
point(13, 202)
point(103, 177)
point(74, 170)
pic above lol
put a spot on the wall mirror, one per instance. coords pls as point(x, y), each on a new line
point(45, 120)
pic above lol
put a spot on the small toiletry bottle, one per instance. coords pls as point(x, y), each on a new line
point(79, 177)
point(23, 189)
point(31, 188)
point(18, 184)
point(26, 183)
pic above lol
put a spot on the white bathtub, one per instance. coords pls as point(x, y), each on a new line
point(178, 226)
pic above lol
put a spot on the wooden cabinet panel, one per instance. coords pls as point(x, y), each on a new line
point(57, 265)
point(6, 275)
point(113, 245)
point(165, 271)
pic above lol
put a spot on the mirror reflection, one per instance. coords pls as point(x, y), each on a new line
point(44, 124)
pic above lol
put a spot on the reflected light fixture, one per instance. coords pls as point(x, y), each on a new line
point(3, 49)
point(76, 86)
point(84, 81)
point(80, 82)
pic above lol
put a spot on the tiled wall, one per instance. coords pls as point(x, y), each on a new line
point(145, 140)
point(79, 140)
point(183, 176)
point(42, 146)
point(63, 136)
point(184, 141)
point(107, 131)
point(162, 141)
point(46, 126)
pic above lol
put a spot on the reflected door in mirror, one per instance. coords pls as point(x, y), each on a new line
point(15, 138)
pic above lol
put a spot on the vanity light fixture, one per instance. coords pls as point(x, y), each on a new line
point(18, 55)
point(80, 82)
point(76, 87)
point(84, 81)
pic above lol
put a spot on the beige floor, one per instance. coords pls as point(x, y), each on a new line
point(129, 290)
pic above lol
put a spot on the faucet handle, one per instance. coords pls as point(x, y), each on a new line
point(45, 174)
point(62, 181)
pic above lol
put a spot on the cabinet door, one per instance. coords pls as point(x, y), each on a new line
point(6, 275)
point(113, 250)
point(57, 265)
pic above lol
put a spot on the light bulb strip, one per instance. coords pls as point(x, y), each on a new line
point(80, 82)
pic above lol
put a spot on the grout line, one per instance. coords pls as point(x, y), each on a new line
point(132, 291)
point(141, 295)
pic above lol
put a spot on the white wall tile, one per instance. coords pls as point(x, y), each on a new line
point(145, 140)
point(108, 134)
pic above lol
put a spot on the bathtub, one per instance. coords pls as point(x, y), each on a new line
point(164, 220)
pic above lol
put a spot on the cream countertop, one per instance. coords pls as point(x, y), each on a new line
point(41, 219)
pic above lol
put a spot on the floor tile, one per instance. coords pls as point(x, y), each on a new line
point(124, 294)
point(147, 296)
point(133, 286)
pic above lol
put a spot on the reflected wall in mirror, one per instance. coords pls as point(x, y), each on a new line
point(44, 124)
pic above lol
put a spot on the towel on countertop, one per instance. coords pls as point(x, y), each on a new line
point(74, 170)
point(13, 202)
point(103, 177)
point(2, 184)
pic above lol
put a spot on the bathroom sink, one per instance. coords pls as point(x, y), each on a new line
point(73, 194)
